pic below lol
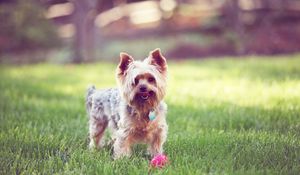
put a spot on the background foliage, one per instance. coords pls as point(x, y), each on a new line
point(24, 27)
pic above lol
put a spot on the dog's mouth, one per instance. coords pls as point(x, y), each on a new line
point(146, 95)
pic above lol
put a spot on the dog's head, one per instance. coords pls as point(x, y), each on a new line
point(142, 83)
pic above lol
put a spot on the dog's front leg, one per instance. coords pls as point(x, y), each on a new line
point(158, 139)
point(122, 145)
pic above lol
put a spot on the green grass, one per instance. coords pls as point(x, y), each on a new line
point(226, 116)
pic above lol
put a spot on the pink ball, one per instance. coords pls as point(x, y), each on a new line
point(159, 161)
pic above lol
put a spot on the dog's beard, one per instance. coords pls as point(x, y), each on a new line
point(144, 102)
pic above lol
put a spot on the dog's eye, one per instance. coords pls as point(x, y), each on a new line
point(151, 79)
point(136, 81)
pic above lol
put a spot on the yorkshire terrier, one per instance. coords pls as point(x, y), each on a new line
point(135, 111)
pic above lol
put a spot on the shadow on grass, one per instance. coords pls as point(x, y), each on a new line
point(214, 151)
point(32, 155)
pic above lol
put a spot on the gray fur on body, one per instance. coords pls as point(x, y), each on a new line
point(103, 104)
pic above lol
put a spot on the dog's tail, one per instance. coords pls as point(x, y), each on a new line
point(88, 99)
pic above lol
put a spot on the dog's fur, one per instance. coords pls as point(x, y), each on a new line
point(141, 89)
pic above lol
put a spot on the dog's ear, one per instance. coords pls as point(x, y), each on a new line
point(158, 60)
point(125, 60)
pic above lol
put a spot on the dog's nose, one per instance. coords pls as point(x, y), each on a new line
point(143, 88)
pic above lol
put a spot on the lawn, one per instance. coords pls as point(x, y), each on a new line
point(226, 116)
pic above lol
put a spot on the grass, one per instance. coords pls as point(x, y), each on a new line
point(226, 116)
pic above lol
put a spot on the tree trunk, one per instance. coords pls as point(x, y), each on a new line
point(79, 15)
point(83, 20)
point(235, 22)
point(90, 35)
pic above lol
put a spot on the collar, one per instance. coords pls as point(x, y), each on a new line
point(151, 115)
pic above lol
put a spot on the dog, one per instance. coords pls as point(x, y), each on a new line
point(135, 111)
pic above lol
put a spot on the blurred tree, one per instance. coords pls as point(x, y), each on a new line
point(24, 27)
point(83, 19)
point(233, 20)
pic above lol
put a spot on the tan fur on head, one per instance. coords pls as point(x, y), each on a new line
point(150, 73)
